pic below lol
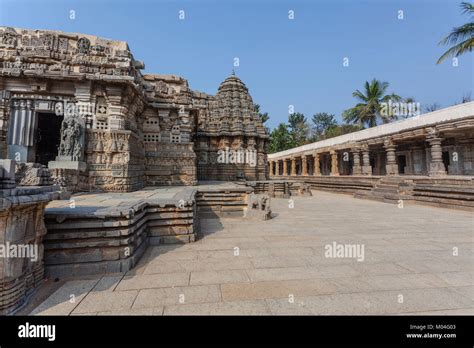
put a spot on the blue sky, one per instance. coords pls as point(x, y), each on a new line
point(283, 62)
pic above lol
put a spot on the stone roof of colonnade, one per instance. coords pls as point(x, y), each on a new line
point(438, 117)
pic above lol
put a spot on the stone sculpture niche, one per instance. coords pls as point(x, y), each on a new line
point(71, 148)
point(259, 206)
point(72, 139)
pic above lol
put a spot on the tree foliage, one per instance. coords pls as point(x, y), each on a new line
point(322, 123)
point(280, 139)
point(263, 116)
point(462, 38)
point(299, 129)
point(367, 111)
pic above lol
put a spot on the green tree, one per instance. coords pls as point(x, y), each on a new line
point(322, 122)
point(342, 129)
point(368, 110)
point(299, 128)
point(462, 38)
point(280, 139)
point(263, 116)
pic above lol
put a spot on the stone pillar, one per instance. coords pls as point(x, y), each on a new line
point(317, 168)
point(437, 167)
point(391, 166)
point(293, 166)
point(22, 129)
point(285, 167)
point(304, 165)
point(5, 109)
point(334, 164)
point(356, 168)
point(366, 167)
point(270, 165)
point(277, 167)
point(117, 107)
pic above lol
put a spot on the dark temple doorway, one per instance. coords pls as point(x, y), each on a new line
point(48, 137)
point(402, 163)
point(446, 160)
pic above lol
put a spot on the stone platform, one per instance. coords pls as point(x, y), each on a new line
point(95, 233)
point(240, 266)
point(453, 191)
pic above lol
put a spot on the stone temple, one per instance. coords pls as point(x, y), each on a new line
point(100, 162)
point(135, 130)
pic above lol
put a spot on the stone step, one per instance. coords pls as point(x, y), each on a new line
point(386, 189)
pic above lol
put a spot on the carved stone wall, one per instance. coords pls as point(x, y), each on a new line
point(22, 230)
point(231, 126)
point(135, 130)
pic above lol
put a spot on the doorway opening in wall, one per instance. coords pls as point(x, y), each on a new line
point(402, 162)
point(446, 160)
point(48, 137)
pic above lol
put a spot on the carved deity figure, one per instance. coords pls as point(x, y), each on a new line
point(71, 139)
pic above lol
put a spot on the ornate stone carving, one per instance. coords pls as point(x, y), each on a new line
point(32, 174)
point(83, 45)
point(72, 139)
point(8, 38)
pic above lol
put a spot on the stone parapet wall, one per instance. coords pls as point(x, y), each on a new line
point(222, 202)
point(85, 239)
point(170, 164)
point(112, 239)
point(22, 231)
point(446, 192)
point(340, 184)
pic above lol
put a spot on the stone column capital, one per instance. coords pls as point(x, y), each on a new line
point(355, 150)
point(388, 143)
point(434, 140)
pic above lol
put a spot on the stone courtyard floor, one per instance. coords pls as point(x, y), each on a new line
point(279, 266)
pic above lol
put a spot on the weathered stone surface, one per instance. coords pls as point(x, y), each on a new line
point(21, 236)
point(120, 130)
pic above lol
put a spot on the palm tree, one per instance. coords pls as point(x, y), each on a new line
point(367, 111)
point(463, 34)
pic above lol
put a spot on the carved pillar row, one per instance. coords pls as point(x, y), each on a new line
point(317, 167)
point(304, 165)
point(391, 166)
point(356, 168)
point(366, 167)
point(437, 167)
point(334, 163)
point(293, 166)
